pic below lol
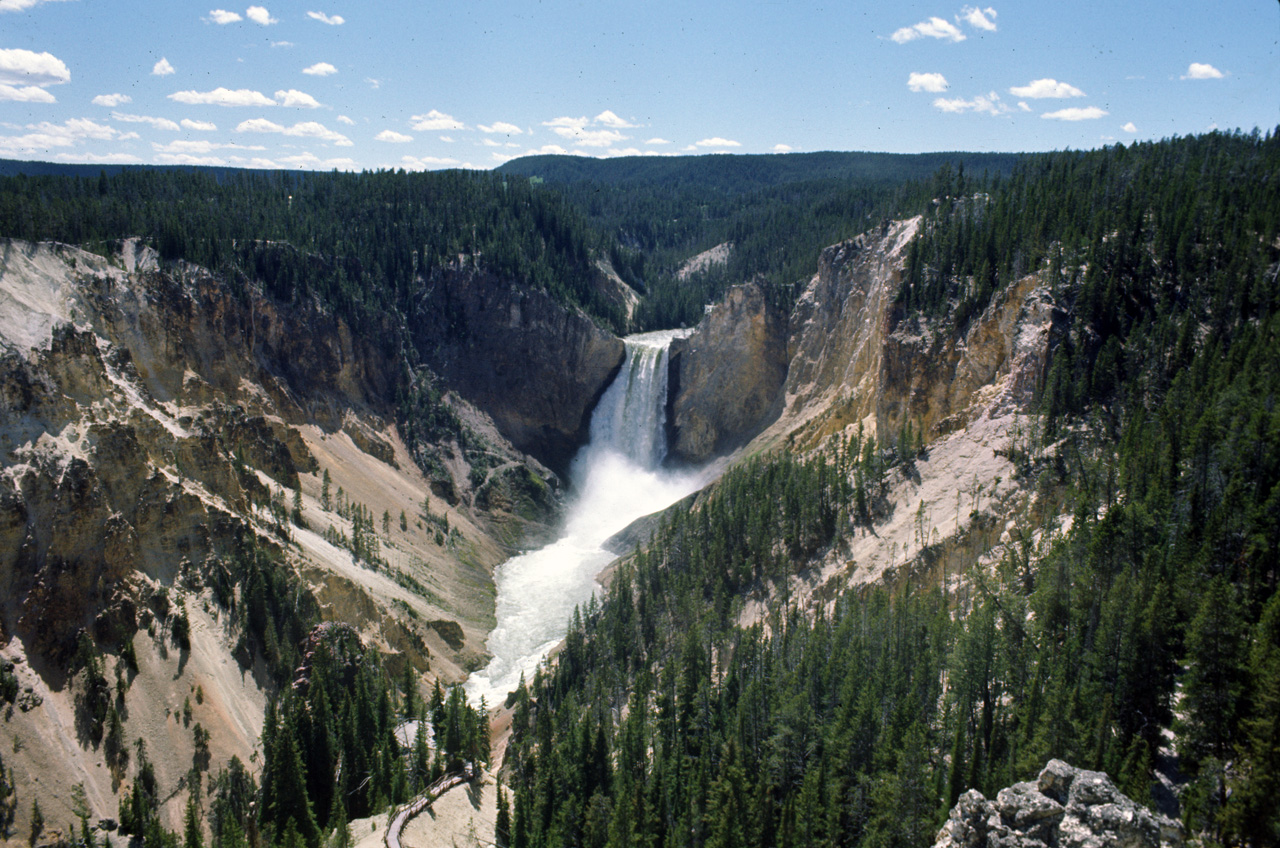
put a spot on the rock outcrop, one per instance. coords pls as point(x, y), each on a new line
point(534, 367)
point(1064, 808)
point(726, 378)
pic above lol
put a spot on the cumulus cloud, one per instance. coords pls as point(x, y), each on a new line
point(17, 5)
point(654, 141)
point(200, 147)
point(99, 158)
point(27, 68)
point(199, 126)
point(259, 15)
point(577, 131)
point(45, 135)
point(331, 20)
point(25, 94)
point(304, 129)
point(782, 148)
point(296, 99)
point(1041, 88)
point(320, 69)
point(501, 127)
point(1201, 71)
point(223, 97)
point(223, 17)
point(717, 141)
point(1076, 113)
point(281, 44)
point(393, 137)
point(112, 100)
point(158, 123)
point(609, 119)
point(436, 120)
point(983, 104)
point(1129, 127)
point(979, 18)
point(426, 163)
point(162, 68)
point(933, 83)
point(343, 119)
point(935, 27)
point(310, 160)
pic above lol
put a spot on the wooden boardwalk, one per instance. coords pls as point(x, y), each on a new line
point(391, 839)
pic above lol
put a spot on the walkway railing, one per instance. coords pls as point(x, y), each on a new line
point(442, 785)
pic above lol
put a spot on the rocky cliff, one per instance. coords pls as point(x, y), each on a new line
point(725, 378)
point(1065, 807)
point(158, 424)
point(534, 367)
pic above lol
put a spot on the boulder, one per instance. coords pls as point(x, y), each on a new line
point(1065, 807)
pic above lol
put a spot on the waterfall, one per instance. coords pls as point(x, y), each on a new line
point(616, 478)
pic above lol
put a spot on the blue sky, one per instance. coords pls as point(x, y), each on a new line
point(334, 84)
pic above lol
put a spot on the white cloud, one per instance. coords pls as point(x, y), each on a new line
point(657, 141)
point(202, 147)
point(99, 158)
point(26, 94)
point(278, 44)
point(717, 141)
point(1076, 113)
point(609, 119)
point(17, 5)
point(1199, 71)
point(782, 148)
point(310, 160)
point(343, 119)
point(979, 18)
point(436, 120)
point(546, 150)
point(320, 69)
point(331, 20)
point(501, 127)
point(259, 15)
point(488, 142)
point(1129, 127)
point(373, 83)
point(393, 137)
point(200, 126)
point(158, 123)
point(935, 27)
point(223, 17)
point(296, 99)
point(46, 135)
point(28, 68)
point(305, 129)
point(447, 139)
point(1023, 106)
point(188, 159)
point(933, 83)
point(223, 97)
point(111, 100)
point(162, 68)
point(575, 130)
point(983, 104)
point(1042, 88)
point(426, 163)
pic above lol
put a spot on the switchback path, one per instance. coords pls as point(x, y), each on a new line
point(391, 839)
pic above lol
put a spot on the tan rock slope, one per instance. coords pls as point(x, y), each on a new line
point(155, 424)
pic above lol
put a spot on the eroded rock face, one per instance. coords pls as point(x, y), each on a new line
point(534, 367)
point(1066, 807)
point(726, 378)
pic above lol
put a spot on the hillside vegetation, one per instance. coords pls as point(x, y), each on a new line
point(672, 719)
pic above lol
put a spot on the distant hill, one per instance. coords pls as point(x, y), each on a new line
point(14, 167)
point(734, 173)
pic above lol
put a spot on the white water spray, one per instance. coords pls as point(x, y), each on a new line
point(616, 478)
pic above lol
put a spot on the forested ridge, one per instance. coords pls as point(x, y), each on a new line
point(697, 703)
point(1150, 628)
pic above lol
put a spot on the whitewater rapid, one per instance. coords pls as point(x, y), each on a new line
point(615, 479)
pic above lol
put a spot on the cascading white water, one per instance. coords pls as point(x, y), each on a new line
point(616, 479)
